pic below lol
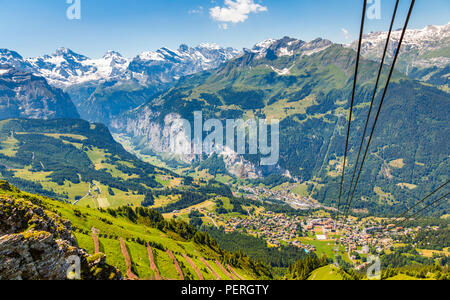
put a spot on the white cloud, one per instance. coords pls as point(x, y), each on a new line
point(236, 11)
point(347, 34)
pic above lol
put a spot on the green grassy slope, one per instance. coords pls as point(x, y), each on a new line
point(137, 228)
point(75, 160)
point(325, 273)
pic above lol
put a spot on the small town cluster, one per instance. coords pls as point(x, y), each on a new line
point(356, 237)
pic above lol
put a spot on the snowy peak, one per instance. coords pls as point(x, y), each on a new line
point(112, 54)
point(287, 46)
point(424, 54)
point(12, 58)
point(208, 55)
point(166, 65)
point(11, 55)
point(423, 40)
point(65, 67)
point(68, 54)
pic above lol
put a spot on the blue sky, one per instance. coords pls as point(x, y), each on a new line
point(37, 27)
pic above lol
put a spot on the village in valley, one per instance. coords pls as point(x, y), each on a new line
point(355, 239)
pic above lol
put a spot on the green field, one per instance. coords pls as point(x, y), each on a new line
point(326, 273)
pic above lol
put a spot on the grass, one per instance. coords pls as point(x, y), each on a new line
point(402, 277)
point(430, 253)
point(8, 146)
point(383, 197)
point(165, 265)
point(84, 219)
point(301, 190)
point(322, 247)
point(139, 258)
point(325, 273)
point(162, 201)
point(207, 205)
point(285, 108)
point(72, 191)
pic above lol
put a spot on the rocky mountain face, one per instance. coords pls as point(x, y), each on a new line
point(36, 244)
point(24, 95)
point(425, 53)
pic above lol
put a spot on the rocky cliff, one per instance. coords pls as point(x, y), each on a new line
point(23, 95)
point(36, 244)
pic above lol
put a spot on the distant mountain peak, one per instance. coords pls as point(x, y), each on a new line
point(69, 54)
point(65, 67)
point(13, 54)
point(112, 53)
point(423, 54)
point(209, 46)
point(288, 46)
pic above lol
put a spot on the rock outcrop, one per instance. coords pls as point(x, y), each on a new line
point(36, 244)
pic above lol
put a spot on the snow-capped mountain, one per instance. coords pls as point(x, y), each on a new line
point(166, 65)
point(425, 53)
point(66, 68)
point(13, 59)
point(288, 47)
point(105, 87)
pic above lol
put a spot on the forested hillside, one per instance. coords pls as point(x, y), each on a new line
point(311, 94)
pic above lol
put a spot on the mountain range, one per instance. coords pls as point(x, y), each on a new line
point(103, 88)
point(66, 68)
point(106, 87)
point(425, 53)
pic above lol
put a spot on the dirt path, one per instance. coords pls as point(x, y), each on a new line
point(96, 242)
point(177, 266)
point(126, 255)
point(88, 194)
point(210, 268)
point(189, 260)
point(224, 270)
point(234, 272)
point(152, 263)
